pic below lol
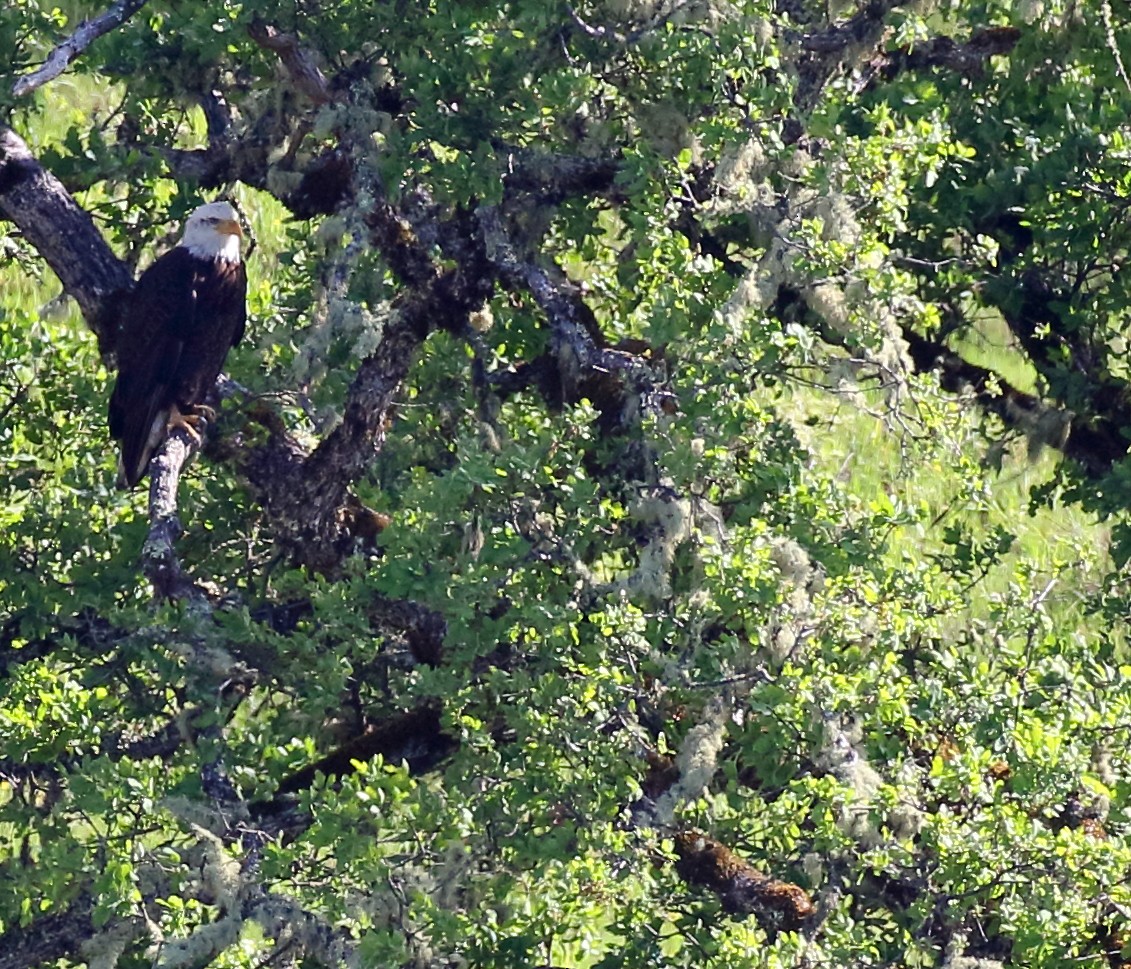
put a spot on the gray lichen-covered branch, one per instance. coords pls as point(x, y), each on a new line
point(48, 217)
point(86, 34)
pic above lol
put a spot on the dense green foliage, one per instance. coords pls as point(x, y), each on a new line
point(838, 580)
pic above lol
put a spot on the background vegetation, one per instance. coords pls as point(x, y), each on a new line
point(670, 509)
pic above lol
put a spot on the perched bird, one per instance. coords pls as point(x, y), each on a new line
point(187, 311)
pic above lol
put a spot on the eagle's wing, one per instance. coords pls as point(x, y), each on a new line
point(219, 289)
point(157, 323)
point(238, 288)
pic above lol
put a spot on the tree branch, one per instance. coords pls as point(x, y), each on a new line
point(742, 889)
point(65, 236)
point(586, 365)
point(555, 176)
point(159, 559)
point(1094, 441)
point(1094, 445)
point(1039, 316)
point(416, 737)
point(308, 494)
point(88, 32)
point(968, 59)
point(298, 61)
point(825, 50)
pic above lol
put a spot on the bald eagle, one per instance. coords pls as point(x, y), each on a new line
point(187, 311)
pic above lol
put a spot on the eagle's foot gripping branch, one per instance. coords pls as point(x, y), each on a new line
point(190, 421)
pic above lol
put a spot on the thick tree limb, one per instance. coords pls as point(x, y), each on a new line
point(968, 59)
point(308, 494)
point(614, 379)
point(825, 50)
point(416, 737)
point(553, 177)
point(65, 236)
point(88, 32)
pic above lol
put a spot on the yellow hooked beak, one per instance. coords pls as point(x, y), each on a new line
point(229, 227)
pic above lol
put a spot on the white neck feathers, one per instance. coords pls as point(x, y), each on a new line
point(212, 245)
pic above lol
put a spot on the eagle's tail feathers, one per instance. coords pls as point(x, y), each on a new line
point(138, 445)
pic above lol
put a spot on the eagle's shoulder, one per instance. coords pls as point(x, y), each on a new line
point(160, 301)
point(171, 270)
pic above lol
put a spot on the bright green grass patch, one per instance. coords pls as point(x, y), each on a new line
point(955, 483)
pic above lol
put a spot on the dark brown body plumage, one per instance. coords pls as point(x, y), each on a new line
point(185, 315)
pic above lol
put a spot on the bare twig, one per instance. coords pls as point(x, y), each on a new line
point(88, 32)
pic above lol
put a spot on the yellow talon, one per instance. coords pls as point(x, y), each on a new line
point(188, 422)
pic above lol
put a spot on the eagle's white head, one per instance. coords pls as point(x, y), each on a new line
point(213, 232)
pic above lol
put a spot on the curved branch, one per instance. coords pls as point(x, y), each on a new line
point(88, 32)
point(65, 236)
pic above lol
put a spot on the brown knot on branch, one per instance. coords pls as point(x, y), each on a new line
point(742, 889)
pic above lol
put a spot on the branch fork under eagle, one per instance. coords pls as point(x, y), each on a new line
point(187, 311)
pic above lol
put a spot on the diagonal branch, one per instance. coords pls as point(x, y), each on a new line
point(307, 494)
point(88, 32)
point(1095, 445)
point(299, 62)
point(824, 51)
point(1039, 315)
point(742, 889)
point(586, 365)
point(65, 236)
